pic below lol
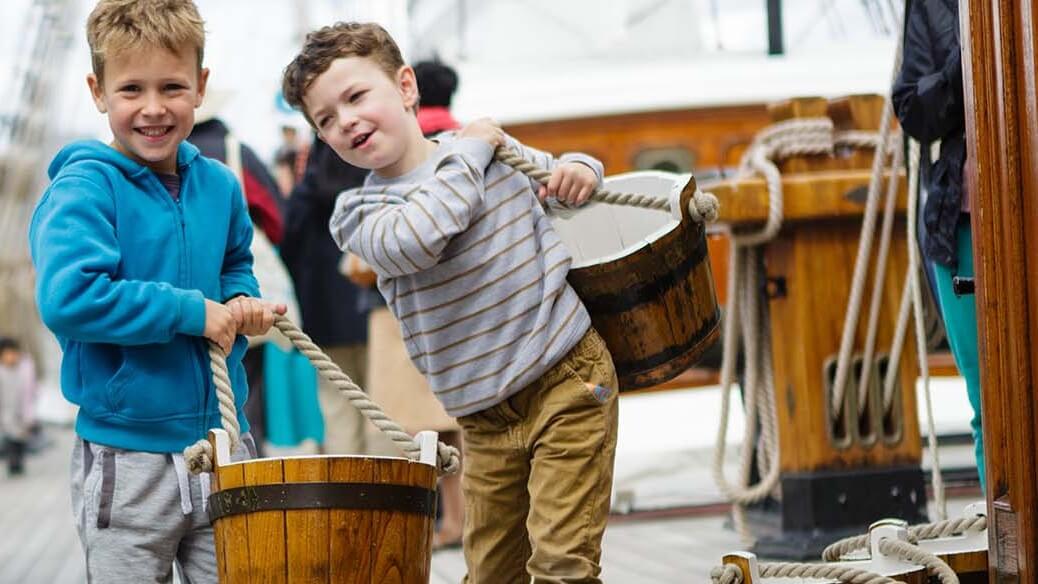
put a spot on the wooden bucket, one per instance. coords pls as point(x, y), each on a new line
point(645, 278)
point(325, 519)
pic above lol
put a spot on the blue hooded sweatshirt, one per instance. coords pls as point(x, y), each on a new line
point(122, 273)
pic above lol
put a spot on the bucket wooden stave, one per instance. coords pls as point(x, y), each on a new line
point(645, 278)
point(297, 519)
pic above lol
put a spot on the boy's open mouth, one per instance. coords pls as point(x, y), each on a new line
point(361, 139)
point(154, 131)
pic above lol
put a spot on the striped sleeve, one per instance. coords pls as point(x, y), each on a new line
point(398, 234)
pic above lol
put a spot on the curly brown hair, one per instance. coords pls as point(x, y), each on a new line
point(117, 26)
point(342, 39)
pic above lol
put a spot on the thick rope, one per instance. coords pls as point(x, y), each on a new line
point(876, 301)
point(910, 553)
point(731, 574)
point(850, 323)
point(861, 264)
point(702, 207)
point(726, 574)
point(743, 316)
point(199, 455)
point(939, 529)
point(915, 284)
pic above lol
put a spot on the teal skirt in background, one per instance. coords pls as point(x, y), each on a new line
point(293, 413)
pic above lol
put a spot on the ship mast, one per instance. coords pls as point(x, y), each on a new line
point(25, 139)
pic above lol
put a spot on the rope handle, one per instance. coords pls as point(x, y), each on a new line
point(701, 208)
point(199, 456)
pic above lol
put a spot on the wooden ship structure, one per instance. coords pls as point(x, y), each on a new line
point(838, 470)
point(838, 476)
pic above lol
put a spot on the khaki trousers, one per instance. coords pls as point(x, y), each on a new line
point(538, 474)
point(343, 423)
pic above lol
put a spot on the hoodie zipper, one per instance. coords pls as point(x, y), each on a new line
point(202, 355)
point(201, 360)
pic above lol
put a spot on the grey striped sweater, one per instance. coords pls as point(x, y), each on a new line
point(471, 267)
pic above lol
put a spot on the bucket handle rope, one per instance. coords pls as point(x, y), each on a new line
point(702, 207)
point(199, 456)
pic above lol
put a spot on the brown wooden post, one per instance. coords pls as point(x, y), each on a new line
point(839, 473)
point(999, 43)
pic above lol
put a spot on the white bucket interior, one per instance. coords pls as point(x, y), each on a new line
point(599, 233)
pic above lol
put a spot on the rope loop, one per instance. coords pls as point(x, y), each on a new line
point(199, 456)
point(939, 529)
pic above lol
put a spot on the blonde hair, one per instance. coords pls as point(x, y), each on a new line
point(342, 39)
point(116, 26)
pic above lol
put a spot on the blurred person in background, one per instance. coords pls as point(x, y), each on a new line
point(17, 402)
point(330, 304)
point(265, 203)
point(285, 159)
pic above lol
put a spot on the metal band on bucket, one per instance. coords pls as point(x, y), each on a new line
point(294, 496)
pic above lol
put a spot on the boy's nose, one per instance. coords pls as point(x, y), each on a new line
point(153, 105)
point(347, 119)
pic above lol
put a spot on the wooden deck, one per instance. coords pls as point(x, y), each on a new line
point(39, 545)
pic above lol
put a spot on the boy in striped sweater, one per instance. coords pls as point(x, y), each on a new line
point(473, 271)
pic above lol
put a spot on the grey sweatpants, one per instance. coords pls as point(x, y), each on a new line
point(139, 512)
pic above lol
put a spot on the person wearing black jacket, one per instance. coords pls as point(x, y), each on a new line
point(329, 303)
point(928, 100)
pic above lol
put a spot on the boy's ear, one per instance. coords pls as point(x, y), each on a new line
point(97, 93)
point(203, 79)
point(407, 85)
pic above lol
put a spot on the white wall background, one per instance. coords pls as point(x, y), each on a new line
point(521, 60)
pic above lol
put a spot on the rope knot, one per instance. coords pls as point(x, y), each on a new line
point(703, 207)
point(199, 457)
point(448, 459)
point(726, 574)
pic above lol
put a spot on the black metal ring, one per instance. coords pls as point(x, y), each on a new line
point(325, 495)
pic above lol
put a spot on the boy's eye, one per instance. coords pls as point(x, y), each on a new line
point(323, 121)
point(130, 88)
point(354, 98)
point(174, 87)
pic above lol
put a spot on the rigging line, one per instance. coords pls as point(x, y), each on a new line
point(802, 35)
point(636, 18)
point(833, 18)
point(715, 18)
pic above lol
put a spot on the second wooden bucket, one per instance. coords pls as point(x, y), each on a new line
point(328, 519)
point(645, 278)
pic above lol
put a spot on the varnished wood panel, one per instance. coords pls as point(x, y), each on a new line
point(817, 265)
point(716, 135)
point(1001, 99)
point(813, 196)
point(231, 533)
point(307, 530)
point(389, 530)
point(352, 548)
point(267, 549)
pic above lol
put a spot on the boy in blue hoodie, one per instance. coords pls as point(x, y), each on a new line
point(141, 248)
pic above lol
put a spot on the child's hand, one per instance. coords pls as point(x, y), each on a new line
point(254, 316)
point(570, 183)
point(220, 326)
point(484, 129)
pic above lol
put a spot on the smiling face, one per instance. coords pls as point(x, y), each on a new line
point(365, 115)
point(150, 96)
